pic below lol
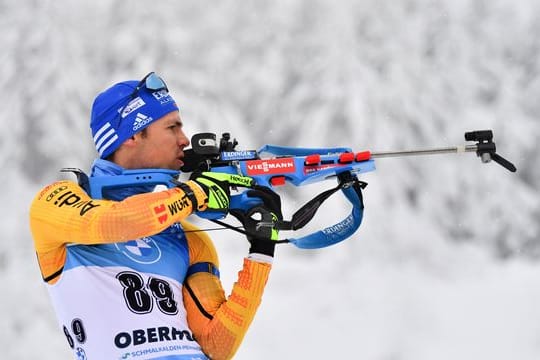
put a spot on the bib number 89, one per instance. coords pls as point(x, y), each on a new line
point(140, 301)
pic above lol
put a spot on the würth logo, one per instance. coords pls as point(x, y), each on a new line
point(272, 166)
point(140, 121)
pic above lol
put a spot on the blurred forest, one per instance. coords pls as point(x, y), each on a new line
point(373, 75)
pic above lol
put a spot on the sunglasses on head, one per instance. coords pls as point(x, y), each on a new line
point(151, 82)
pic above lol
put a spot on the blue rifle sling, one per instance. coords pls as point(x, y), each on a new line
point(338, 232)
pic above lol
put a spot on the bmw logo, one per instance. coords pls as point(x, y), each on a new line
point(81, 355)
point(143, 251)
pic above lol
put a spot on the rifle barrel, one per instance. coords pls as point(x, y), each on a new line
point(434, 151)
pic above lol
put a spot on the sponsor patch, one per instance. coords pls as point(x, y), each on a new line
point(162, 96)
point(143, 251)
point(313, 169)
point(55, 192)
point(161, 213)
point(178, 205)
point(340, 228)
point(238, 155)
point(271, 166)
point(72, 200)
point(44, 191)
point(132, 106)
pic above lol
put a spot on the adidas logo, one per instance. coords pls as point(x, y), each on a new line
point(141, 120)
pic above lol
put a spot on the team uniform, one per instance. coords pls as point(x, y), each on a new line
point(130, 279)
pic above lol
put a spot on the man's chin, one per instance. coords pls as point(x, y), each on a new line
point(178, 163)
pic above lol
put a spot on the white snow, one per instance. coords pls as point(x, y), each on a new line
point(445, 265)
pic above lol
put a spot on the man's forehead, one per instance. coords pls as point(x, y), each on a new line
point(173, 117)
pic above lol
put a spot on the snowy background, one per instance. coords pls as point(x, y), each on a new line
point(446, 263)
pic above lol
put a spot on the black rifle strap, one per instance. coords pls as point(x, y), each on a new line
point(231, 227)
point(304, 215)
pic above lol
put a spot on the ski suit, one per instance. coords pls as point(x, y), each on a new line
point(129, 279)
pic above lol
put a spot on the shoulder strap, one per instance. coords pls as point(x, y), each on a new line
point(352, 189)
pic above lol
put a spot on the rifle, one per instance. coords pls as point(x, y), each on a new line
point(273, 166)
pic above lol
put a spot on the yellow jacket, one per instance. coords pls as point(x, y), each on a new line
point(62, 214)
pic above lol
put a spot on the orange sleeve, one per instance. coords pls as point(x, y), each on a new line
point(63, 213)
point(219, 323)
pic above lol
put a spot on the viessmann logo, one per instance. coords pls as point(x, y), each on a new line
point(272, 166)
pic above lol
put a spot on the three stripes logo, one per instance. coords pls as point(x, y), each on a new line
point(141, 120)
point(105, 137)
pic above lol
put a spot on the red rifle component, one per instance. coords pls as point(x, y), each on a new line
point(314, 159)
point(346, 158)
point(363, 156)
point(278, 180)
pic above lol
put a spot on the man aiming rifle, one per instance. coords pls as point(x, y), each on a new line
point(127, 274)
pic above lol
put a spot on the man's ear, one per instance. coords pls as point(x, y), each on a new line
point(132, 141)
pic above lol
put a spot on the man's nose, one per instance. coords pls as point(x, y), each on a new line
point(183, 139)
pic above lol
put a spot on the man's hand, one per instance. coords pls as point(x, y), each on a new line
point(259, 221)
point(217, 187)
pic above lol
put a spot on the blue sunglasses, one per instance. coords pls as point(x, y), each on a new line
point(151, 82)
